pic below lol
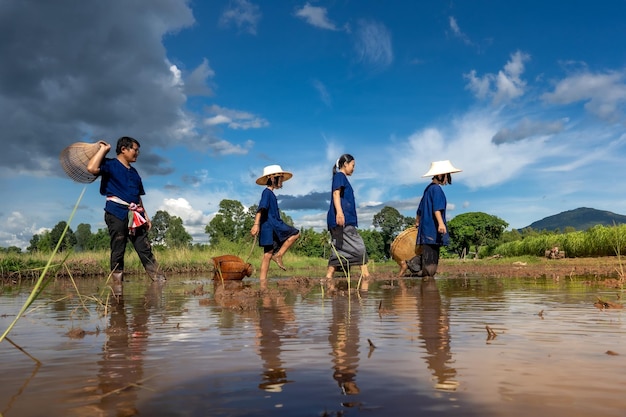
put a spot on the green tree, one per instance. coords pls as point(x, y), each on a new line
point(33, 245)
point(474, 229)
point(83, 237)
point(44, 242)
point(374, 244)
point(228, 223)
point(510, 236)
point(176, 236)
point(100, 240)
point(160, 224)
point(69, 239)
point(391, 222)
point(12, 250)
point(248, 221)
point(569, 229)
point(311, 243)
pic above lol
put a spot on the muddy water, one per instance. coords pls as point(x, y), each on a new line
point(188, 348)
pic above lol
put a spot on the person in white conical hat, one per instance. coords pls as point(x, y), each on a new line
point(275, 236)
point(430, 220)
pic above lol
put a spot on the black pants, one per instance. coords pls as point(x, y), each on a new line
point(118, 232)
point(430, 259)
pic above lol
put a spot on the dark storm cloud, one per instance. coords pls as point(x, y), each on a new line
point(311, 201)
point(526, 129)
point(86, 70)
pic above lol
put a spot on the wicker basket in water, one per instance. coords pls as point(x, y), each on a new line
point(74, 160)
point(404, 247)
point(230, 267)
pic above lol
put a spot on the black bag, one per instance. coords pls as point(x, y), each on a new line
point(415, 263)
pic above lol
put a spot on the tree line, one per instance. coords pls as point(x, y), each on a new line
point(469, 233)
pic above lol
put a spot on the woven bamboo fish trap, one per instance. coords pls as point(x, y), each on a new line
point(74, 160)
point(230, 268)
point(404, 247)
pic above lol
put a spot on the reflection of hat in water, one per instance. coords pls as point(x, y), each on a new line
point(440, 167)
point(74, 160)
point(270, 171)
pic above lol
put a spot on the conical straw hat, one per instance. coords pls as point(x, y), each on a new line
point(74, 160)
point(273, 170)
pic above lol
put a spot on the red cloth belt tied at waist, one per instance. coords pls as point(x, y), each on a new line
point(135, 218)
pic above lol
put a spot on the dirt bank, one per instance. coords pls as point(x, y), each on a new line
point(606, 267)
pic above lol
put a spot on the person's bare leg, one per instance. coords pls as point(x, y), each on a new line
point(365, 278)
point(278, 256)
point(403, 268)
point(329, 281)
point(265, 266)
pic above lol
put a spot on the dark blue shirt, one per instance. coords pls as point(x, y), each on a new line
point(348, 205)
point(433, 200)
point(122, 182)
point(273, 228)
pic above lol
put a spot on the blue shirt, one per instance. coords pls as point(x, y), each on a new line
point(348, 205)
point(273, 228)
point(122, 182)
point(433, 200)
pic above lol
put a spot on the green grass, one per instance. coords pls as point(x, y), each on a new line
point(171, 261)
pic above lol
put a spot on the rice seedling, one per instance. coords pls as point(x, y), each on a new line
point(43, 277)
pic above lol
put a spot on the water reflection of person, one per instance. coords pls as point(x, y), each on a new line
point(434, 330)
point(275, 316)
point(344, 342)
point(121, 366)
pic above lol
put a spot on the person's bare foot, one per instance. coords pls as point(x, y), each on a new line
point(279, 261)
point(329, 283)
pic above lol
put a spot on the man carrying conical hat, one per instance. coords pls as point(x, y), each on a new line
point(431, 220)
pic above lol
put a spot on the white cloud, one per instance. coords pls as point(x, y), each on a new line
point(323, 92)
point(194, 220)
point(373, 44)
point(467, 143)
point(218, 120)
point(504, 86)
point(235, 119)
point(456, 30)
point(244, 14)
point(17, 230)
point(315, 16)
point(604, 94)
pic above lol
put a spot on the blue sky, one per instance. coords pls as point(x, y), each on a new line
point(527, 98)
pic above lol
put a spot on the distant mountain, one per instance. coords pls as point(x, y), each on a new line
point(580, 219)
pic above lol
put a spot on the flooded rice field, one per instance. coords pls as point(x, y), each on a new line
point(446, 347)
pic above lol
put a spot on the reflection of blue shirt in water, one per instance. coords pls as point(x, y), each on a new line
point(433, 200)
point(122, 182)
point(271, 223)
point(348, 205)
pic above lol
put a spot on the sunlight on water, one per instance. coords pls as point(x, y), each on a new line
point(191, 348)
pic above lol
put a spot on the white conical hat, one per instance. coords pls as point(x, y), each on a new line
point(271, 170)
point(440, 167)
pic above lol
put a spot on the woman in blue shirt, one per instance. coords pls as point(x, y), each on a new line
point(430, 219)
point(348, 247)
point(275, 236)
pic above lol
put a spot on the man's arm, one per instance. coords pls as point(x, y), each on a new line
point(94, 163)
